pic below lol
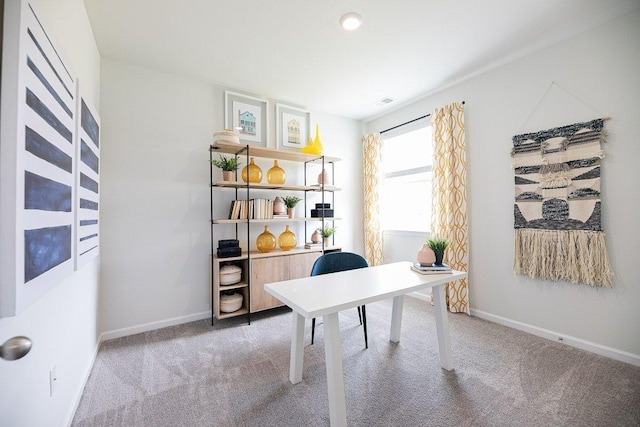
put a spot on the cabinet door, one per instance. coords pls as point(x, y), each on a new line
point(267, 270)
point(300, 265)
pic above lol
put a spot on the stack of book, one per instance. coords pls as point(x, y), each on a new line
point(310, 245)
point(430, 269)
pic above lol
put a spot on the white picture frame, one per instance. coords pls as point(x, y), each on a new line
point(293, 127)
point(248, 116)
point(37, 161)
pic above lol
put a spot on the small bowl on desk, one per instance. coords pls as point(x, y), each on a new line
point(230, 302)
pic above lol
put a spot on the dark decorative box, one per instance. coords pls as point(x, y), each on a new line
point(229, 248)
point(318, 213)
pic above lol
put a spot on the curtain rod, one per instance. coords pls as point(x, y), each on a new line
point(406, 123)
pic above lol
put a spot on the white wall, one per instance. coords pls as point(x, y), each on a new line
point(600, 70)
point(61, 324)
point(157, 128)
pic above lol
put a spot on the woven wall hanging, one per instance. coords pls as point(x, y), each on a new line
point(558, 231)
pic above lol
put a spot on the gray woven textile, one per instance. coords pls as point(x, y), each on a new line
point(557, 208)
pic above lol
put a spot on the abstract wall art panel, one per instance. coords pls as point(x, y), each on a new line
point(557, 207)
point(37, 186)
point(87, 182)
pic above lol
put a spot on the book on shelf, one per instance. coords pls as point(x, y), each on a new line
point(251, 209)
point(310, 245)
point(422, 271)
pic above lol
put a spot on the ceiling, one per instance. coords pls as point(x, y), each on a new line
point(294, 51)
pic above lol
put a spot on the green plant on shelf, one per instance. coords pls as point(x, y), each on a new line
point(327, 231)
point(291, 201)
point(229, 164)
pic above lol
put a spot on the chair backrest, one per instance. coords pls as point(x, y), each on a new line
point(338, 261)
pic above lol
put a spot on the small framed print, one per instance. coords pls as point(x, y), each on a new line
point(292, 127)
point(248, 116)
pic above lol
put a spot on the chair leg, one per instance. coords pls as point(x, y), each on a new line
point(313, 329)
point(364, 320)
point(359, 315)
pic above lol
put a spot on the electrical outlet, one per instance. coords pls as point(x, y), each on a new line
point(53, 380)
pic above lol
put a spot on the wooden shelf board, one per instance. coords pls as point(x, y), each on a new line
point(266, 186)
point(230, 287)
point(240, 149)
point(278, 252)
point(272, 221)
point(239, 312)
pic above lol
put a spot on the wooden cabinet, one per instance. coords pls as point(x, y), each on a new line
point(261, 268)
point(267, 270)
point(275, 269)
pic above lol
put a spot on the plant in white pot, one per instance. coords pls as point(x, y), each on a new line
point(228, 165)
point(290, 202)
point(327, 231)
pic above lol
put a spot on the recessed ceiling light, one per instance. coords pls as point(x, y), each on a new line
point(351, 21)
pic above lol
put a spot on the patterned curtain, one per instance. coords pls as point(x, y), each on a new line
point(449, 202)
point(372, 150)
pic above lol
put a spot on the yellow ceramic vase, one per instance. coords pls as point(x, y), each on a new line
point(266, 241)
point(276, 174)
point(253, 171)
point(287, 240)
point(315, 145)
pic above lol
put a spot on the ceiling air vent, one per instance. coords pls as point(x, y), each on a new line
point(384, 101)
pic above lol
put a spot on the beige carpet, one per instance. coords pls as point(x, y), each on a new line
point(233, 374)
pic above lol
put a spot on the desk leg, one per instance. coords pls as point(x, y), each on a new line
point(335, 378)
point(442, 326)
point(297, 348)
point(396, 318)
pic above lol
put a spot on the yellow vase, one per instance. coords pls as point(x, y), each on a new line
point(315, 145)
point(276, 174)
point(266, 241)
point(287, 240)
point(253, 170)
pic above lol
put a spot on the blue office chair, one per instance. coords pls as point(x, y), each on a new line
point(340, 261)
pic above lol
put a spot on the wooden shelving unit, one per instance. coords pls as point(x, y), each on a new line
point(259, 268)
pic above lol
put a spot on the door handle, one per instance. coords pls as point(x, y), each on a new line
point(15, 348)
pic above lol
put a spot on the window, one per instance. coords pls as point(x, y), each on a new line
point(406, 191)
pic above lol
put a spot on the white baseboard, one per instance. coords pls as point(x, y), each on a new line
point(131, 330)
point(602, 350)
point(123, 333)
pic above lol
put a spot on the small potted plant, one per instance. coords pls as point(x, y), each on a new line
point(228, 165)
point(327, 231)
point(438, 245)
point(290, 202)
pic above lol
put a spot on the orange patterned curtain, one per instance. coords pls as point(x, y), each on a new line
point(449, 202)
point(372, 155)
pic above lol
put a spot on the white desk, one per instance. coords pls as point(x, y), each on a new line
point(327, 294)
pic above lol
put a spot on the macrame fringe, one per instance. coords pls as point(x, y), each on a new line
point(572, 256)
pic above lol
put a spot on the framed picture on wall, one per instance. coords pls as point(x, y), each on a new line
point(37, 146)
point(292, 127)
point(248, 116)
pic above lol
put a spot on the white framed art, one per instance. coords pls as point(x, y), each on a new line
point(248, 116)
point(37, 155)
point(87, 181)
point(293, 126)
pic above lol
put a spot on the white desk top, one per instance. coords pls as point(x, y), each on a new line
point(329, 293)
